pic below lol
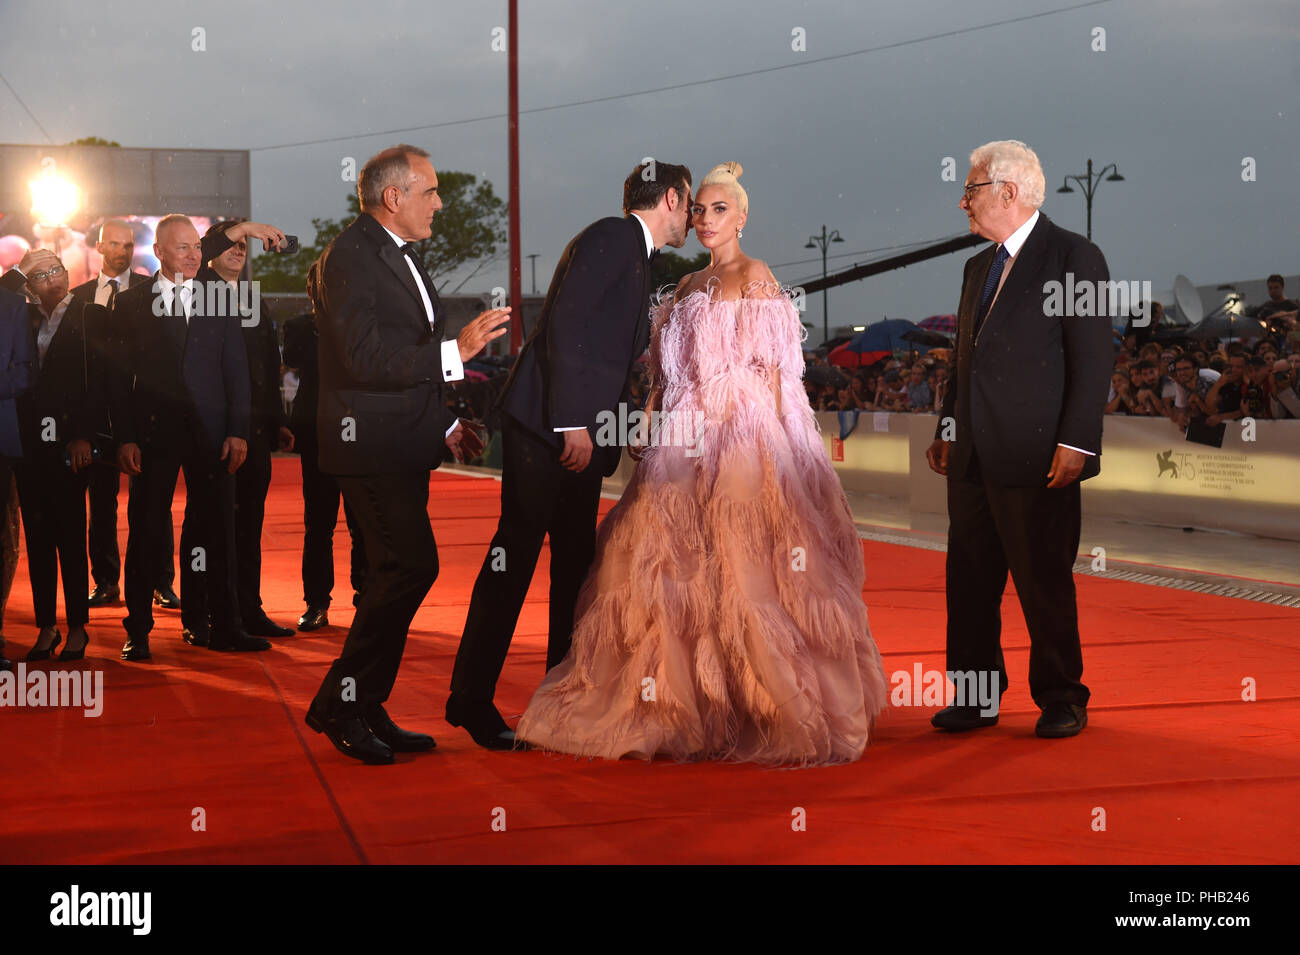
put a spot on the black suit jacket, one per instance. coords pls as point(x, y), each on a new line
point(68, 392)
point(263, 346)
point(161, 394)
point(1031, 380)
point(300, 353)
point(381, 407)
point(85, 292)
point(593, 327)
point(17, 365)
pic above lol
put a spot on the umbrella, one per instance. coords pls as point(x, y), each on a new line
point(1227, 326)
point(886, 336)
point(846, 357)
point(943, 324)
point(927, 338)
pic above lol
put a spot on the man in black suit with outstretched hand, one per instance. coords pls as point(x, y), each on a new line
point(1020, 428)
point(382, 425)
point(593, 327)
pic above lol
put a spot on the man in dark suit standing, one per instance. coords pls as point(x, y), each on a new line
point(320, 491)
point(17, 373)
point(593, 327)
point(179, 400)
point(116, 247)
point(1018, 432)
point(382, 426)
point(225, 250)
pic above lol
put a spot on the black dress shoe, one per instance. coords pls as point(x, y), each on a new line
point(484, 723)
point(136, 648)
point(958, 718)
point(1060, 720)
point(314, 619)
point(266, 627)
point(102, 596)
point(352, 737)
point(166, 598)
point(237, 640)
point(196, 636)
point(400, 740)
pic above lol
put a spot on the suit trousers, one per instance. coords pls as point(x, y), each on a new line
point(392, 512)
point(320, 513)
point(539, 498)
point(252, 481)
point(54, 525)
point(105, 560)
point(1033, 532)
point(8, 535)
point(207, 537)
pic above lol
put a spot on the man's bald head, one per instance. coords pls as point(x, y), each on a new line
point(116, 246)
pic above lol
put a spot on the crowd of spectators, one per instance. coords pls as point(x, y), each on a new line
point(1208, 382)
point(890, 384)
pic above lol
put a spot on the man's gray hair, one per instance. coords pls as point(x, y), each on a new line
point(166, 222)
point(392, 167)
point(1010, 160)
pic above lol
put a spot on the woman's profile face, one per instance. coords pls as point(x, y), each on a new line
point(716, 217)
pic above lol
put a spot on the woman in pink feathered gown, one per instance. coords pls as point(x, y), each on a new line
point(723, 616)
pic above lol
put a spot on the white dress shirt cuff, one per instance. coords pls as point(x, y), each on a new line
point(1080, 450)
point(454, 425)
point(452, 367)
point(576, 427)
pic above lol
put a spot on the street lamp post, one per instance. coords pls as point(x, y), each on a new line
point(822, 242)
point(1088, 183)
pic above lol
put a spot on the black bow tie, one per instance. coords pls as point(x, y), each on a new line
point(654, 254)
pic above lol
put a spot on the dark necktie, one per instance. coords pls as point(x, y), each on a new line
point(410, 251)
point(176, 324)
point(991, 285)
point(112, 293)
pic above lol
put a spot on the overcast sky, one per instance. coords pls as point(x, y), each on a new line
point(1185, 90)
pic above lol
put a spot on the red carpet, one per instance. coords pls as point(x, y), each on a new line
point(1182, 769)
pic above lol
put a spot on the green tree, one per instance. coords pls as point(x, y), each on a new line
point(669, 267)
point(468, 230)
point(93, 141)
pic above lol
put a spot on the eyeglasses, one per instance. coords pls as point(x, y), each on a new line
point(50, 273)
point(969, 191)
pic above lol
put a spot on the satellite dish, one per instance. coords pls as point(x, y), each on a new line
point(1188, 300)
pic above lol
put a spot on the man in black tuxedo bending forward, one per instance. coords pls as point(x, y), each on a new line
point(1017, 433)
point(593, 327)
point(382, 426)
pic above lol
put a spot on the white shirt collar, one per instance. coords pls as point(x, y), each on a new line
point(167, 284)
point(54, 317)
point(1017, 239)
point(649, 239)
point(396, 238)
point(123, 280)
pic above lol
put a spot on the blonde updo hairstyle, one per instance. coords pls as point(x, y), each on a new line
point(728, 176)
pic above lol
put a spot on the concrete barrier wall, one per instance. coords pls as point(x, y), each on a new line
point(1149, 471)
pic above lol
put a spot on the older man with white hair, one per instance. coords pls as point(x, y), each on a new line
point(1017, 433)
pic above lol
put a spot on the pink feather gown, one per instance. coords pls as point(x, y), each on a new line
point(723, 615)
